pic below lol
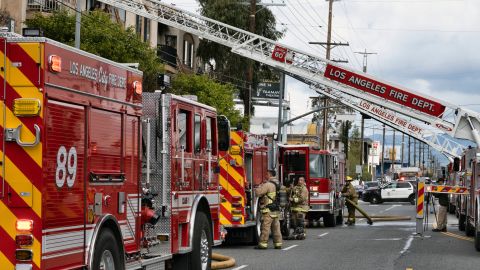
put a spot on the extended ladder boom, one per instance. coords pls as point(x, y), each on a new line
point(454, 120)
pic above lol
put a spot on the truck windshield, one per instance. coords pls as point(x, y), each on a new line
point(295, 162)
point(318, 166)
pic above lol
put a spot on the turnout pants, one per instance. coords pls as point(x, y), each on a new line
point(351, 213)
point(442, 217)
point(270, 223)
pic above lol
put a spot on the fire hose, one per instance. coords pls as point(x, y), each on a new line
point(222, 261)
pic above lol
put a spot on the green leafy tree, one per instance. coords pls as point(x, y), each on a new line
point(209, 92)
point(226, 65)
point(103, 37)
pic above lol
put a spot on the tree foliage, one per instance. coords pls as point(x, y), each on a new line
point(231, 67)
point(209, 92)
point(5, 17)
point(103, 37)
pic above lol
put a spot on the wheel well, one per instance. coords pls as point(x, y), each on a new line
point(108, 222)
point(204, 207)
point(111, 225)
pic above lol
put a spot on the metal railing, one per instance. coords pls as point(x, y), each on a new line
point(49, 5)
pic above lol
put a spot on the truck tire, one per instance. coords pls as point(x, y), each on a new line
point(201, 257)
point(329, 220)
point(339, 219)
point(107, 254)
point(469, 229)
point(461, 222)
point(255, 230)
point(411, 199)
point(477, 231)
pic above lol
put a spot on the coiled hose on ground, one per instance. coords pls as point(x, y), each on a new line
point(220, 261)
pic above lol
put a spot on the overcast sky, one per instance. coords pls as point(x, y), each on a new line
point(429, 46)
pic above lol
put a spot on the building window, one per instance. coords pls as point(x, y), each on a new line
point(138, 24)
point(171, 41)
point(146, 29)
point(188, 50)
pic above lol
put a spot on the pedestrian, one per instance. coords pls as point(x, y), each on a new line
point(299, 208)
point(267, 192)
point(349, 192)
point(442, 209)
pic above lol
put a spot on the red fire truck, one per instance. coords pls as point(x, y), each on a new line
point(324, 173)
point(468, 206)
point(243, 167)
point(72, 195)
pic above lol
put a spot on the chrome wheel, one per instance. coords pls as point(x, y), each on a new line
point(107, 262)
point(204, 250)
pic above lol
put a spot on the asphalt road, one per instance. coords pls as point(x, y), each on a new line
point(383, 245)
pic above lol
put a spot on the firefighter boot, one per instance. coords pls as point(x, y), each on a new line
point(300, 230)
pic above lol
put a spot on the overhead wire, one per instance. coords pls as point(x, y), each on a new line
point(304, 39)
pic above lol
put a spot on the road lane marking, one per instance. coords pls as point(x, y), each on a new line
point(407, 245)
point(458, 236)
point(240, 267)
point(323, 234)
point(391, 207)
point(387, 239)
point(290, 247)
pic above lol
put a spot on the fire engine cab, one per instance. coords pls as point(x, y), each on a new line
point(324, 175)
point(94, 178)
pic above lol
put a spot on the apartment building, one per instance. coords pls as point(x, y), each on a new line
point(175, 47)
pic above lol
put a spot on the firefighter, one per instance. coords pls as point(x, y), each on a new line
point(350, 193)
point(299, 208)
point(442, 209)
point(269, 207)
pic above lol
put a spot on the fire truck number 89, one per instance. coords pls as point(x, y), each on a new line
point(66, 166)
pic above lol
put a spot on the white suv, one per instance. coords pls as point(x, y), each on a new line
point(398, 191)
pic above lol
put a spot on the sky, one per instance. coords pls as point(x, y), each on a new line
point(428, 46)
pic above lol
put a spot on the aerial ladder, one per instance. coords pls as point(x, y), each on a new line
point(381, 100)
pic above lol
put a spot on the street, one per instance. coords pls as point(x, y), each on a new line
point(384, 245)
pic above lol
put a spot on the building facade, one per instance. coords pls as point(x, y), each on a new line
point(175, 47)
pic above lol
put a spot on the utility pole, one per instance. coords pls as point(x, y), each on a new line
point(365, 55)
point(328, 46)
point(383, 155)
point(247, 97)
point(78, 23)
point(415, 152)
point(409, 154)
point(403, 149)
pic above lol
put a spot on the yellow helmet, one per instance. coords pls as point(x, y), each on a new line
point(349, 178)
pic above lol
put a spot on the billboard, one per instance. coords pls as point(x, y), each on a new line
point(267, 90)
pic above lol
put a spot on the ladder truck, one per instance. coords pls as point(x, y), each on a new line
point(429, 119)
point(97, 174)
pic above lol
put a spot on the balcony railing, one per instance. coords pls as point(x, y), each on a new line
point(49, 5)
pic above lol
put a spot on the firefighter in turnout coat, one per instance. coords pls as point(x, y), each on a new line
point(299, 208)
point(267, 193)
point(350, 193)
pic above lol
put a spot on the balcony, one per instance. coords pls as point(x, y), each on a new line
point(49, 5)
